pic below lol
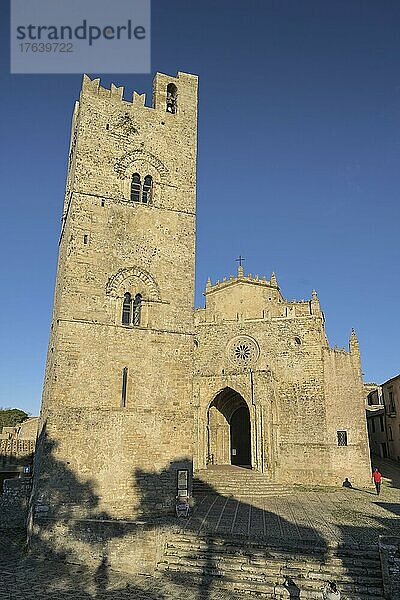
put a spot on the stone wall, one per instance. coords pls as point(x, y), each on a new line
point(27, 430)
point(128, 546)
point(345, 408)
point(14, 503)
point(389, 548)
point(117, 474)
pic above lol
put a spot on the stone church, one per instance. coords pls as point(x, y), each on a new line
point(142, 391)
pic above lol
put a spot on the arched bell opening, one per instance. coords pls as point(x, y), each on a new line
point(229, 430)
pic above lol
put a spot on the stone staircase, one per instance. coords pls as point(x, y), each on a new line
point(236, 482)
point(261, 569)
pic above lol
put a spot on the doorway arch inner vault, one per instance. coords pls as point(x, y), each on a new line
point(229, 430)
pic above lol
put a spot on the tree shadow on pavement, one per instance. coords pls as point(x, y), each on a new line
point(72, 522)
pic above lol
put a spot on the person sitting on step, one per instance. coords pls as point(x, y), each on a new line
point(330, 591)
point(182, 506)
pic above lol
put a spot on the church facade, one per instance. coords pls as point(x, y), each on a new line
point(270, 392)
point(139, 387)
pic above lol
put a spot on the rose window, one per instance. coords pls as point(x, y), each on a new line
point(243, 351)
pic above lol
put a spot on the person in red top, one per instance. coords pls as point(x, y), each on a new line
point(377, 478)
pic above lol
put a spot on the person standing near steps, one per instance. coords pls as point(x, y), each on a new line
point(377, 479)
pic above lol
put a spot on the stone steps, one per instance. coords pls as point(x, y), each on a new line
point(261, 569)
point(239, 484)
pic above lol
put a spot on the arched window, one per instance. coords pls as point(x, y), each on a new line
point(171, 98)
point(137, 306)
point(147, 185)
point(126, 309)
point(135, 188)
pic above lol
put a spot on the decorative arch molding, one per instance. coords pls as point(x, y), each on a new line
point(229, 392)
point(124, 165)
point(227, 400)
point(115, 282)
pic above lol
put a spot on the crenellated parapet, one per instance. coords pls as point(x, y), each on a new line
point(247, 297)
point(352, 353)
point(183, 82)
point(93, 88)
point(242, 278)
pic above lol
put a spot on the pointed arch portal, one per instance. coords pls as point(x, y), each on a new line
point(229, 430)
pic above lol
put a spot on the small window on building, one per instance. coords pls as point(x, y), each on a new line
point(342, 438)
point(147, 188)
point(124, 386)
point(373, 425)
point(135, 188)
point(390, 434)
point(381, 423)
point(171, 98)
point(137, 307)
point(392, 406)
point(126, 309)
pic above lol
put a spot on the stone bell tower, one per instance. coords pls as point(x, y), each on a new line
point(117, 400)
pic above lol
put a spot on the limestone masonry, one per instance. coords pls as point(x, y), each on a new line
point(138, 385)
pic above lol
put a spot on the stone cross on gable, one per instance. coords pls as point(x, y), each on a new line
point(240, 260)
point(240, 267)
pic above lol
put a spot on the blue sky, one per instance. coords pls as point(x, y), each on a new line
point(298, 171)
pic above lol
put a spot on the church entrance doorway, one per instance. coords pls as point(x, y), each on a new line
point(229, 430)
point(240, 437)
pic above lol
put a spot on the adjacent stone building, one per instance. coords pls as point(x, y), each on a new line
point(375, 411)
point(17, 447)
point(391, 399)
point(139, 388)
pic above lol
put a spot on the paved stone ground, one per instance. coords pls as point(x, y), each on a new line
point(339, 516)
point(332, 515)
point(328, 515)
